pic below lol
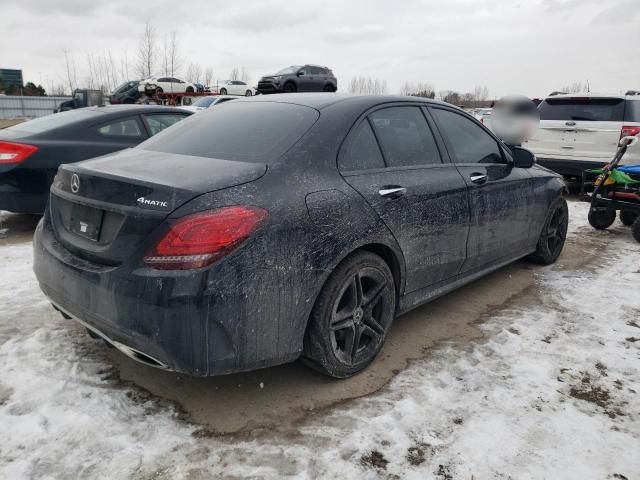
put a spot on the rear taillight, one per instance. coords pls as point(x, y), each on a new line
point(15, 152)
point(200, 239)
point(630, 130)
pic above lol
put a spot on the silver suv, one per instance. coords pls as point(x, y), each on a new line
point(582, 131)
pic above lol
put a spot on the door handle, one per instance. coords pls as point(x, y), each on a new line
point(392, 191)
point(478, 178)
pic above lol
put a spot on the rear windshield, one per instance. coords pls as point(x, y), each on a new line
point(53, 121)
point(632, 111)
point(246, 131)
point(588, 109)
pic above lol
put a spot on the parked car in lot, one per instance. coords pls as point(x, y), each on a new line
point(166, 85)
point(234, 87)
point(126, 92)
point(305, 238)
point(209, 101)
point(582, 131)
point(31, 152)
point(305, 78)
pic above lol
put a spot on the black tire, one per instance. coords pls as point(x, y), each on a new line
point(351, 316)
point(159, 90)
point(329, 88)
point(601, 219)
point(635, 229)
point(223, 91)
point(627, 217)
point(290, 87)
point(189, 90)
point(248, 93)
point(553, 234)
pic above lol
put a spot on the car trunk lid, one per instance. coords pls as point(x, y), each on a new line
point(104, 209)
point(580, 128)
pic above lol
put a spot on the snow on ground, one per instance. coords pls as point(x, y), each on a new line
point(550, 392)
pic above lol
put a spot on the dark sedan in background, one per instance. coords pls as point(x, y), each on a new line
point(31, 152)
point(207, 251)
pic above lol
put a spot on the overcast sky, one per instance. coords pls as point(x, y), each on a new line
point(522, 46)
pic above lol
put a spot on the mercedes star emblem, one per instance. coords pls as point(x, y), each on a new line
point(75, 183)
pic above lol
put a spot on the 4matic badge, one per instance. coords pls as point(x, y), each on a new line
point(152, 203)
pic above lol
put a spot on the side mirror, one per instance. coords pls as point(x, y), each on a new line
point(300, 73)
point(522, 158)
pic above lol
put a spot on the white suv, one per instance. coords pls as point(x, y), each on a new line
point(582, 131)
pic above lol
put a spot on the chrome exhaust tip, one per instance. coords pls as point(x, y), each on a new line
point(130, 352)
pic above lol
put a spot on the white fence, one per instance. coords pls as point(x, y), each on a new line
point(13, 106)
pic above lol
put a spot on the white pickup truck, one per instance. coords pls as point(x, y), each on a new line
point(582, 131)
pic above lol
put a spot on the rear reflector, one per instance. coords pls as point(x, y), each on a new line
point(15, 152)
point(629, 131)
point(200, 239)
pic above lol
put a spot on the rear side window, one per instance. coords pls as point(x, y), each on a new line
point(405, 137)
point(127, 127)
point(159, 121)
point(362, 151)
point(468, 141)
point(584, 108)
point(632, 111)
point(249, 131)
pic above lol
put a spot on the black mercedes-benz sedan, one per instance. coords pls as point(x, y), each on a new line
point(31, 152)
point(293, 226)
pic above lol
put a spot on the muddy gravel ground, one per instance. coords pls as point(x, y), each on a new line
point(531, 372)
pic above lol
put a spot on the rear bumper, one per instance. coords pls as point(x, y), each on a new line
point(14, 200)
point(573, 168)
point(170, 317)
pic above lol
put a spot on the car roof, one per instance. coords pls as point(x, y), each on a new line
point(594, 95)
point(134, 109)
point(323, 100)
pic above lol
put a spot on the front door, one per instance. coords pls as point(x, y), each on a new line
point(393, 160)
point(499, 193)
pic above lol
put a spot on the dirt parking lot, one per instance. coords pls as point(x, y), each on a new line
point(510, 363)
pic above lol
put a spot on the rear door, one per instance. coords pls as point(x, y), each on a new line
point(500, 195)
point(393, 160)
point(580, 128)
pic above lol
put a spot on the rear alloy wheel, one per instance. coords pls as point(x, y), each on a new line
point(248, 93)
point(627, 217)
point(553, 235)
point(351, 317)
point(223, 91)
point(290, 87)
point(635, 229)
point(601, 218)
point(329, 88)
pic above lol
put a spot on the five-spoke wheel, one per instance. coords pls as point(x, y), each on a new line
point(352, 315)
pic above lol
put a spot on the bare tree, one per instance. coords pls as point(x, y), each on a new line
point(420, 89)
point(244, 75)
point(72, 79)
point(367, 86)
point(146, 52)
point(171, 59)
point(575, 87)
point(208, 76)
point(194, 73)
point(449, 96)
point(480, 93)
point(234, 74)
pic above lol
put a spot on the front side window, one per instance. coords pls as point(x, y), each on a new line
point(469, 142)
point(405, 137)
point(362, 151)
point(127, 127)
point(159, 121)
